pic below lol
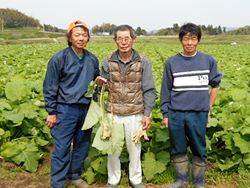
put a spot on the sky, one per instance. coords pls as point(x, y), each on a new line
point(147, 14)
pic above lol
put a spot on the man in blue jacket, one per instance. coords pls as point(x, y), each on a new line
point(186, 102)
point(68, 75)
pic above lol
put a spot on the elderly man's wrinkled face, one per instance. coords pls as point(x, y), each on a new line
point(124, 41)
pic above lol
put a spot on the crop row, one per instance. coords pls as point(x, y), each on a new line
point(23, 132)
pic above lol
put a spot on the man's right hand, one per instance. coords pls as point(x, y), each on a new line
point(165, 122)
point(51, 120)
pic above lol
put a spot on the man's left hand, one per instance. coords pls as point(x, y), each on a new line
point(100, 80)
point(146, 123)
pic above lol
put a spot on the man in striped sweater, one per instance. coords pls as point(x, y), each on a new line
point(186, 102)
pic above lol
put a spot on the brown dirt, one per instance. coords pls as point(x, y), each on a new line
point(10, 177)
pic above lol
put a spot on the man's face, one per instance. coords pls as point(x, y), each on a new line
point(189, 43)
point(124, 41)
point(79, 38)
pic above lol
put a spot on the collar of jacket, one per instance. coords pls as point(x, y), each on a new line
point(135, 56)
point(85, 52)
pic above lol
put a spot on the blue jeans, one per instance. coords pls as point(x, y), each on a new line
point(188, 128)
point(70, 119)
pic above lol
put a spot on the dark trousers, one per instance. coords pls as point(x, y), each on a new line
point(188, 128)
point(70, 119)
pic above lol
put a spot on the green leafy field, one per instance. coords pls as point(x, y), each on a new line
point(23, 132)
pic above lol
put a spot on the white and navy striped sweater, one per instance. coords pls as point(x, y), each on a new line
point(186, 80)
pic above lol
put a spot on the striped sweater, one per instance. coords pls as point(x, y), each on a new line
point(186, 80)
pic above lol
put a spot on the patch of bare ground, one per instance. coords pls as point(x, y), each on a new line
point(11, 177)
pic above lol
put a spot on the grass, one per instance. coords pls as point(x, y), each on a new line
point(227, 179)
point(25, 33)
point(214, 178)
point(37, 35)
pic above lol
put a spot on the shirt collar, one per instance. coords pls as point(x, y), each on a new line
point(187, 55)
point(130, 58)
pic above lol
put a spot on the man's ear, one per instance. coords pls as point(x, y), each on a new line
point(134, 39)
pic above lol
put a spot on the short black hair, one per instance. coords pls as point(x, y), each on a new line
point(68, 35)
point(190, 28)
point(124, 28)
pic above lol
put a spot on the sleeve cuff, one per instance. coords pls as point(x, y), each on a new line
point(165, 115)
point(147, 114)
point(53, 113)
point(216, 86)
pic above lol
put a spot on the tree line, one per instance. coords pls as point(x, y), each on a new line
point(209, 30)
point(107, 28)
point(15, 19)
point(11, 18)
point(50, 28)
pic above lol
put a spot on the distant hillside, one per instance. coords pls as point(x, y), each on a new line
point(231, 28)
point(14, 19)
point(241, 31)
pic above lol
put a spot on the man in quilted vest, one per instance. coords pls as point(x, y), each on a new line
point(131, 98)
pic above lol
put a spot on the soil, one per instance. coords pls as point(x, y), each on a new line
point(14, 179)
point(11, 177)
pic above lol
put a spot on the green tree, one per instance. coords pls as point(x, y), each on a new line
point(103, 28)
point(219, 31)
point(14, 19)
point(224, 29)
point(140, 31)
point(2, 24)
point(96, 29)
point(176, 28)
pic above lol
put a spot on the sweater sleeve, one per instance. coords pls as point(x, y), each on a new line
point(167, 84)
point(148, 87)
point(215, 75)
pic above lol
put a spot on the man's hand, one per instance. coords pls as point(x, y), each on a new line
point(165, 122)
point(100, 80)
point(140, 136)
point(51, 120)
point(146, 123)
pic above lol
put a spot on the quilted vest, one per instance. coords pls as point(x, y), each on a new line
point(126, 95)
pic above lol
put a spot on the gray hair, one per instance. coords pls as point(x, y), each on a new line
point(124, 28)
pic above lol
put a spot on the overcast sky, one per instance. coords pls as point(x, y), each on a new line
point(147, 14)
